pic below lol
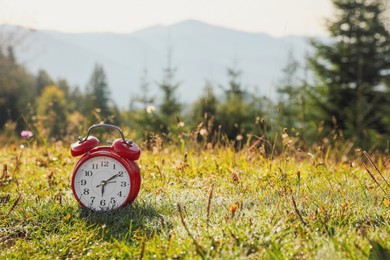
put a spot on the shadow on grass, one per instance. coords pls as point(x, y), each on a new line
point(140, 217)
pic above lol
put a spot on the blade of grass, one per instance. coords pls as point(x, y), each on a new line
point(199, 248)
point(209, 204)
point(377, 183)
point(376, 167)
point(297, 210)
point(16, 202)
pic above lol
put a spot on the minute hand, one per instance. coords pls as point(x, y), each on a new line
point(113, 177)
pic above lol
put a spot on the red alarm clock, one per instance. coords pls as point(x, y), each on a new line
point(106, 177)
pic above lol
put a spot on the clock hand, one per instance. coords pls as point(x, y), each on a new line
point(103, 189)
point(103, 183)
point(113, 177)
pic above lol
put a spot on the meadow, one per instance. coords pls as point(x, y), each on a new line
point(201, 202)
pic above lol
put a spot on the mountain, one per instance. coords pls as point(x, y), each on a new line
point(200, 52)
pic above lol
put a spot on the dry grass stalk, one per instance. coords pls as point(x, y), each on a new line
point(376, 167)
point(199, 248)
point(209, 204)
point(297, 211)
point(377, 183)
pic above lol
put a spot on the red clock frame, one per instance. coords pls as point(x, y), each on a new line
point(122, 150)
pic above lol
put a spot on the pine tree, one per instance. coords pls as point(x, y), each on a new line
point(99, 96)
point(17, 91)
point(144, 99)
point(11, 55)
point(234, 111)
point(352, 69)
point(142, 114)
point(293, 100)
point(170, 107)
point(43, 80)
point(203, 113)
point(290, 95)
point(206, 106)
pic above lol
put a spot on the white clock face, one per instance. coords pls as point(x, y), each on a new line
point(102, 183)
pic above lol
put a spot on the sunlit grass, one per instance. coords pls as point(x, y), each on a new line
point(198, 203)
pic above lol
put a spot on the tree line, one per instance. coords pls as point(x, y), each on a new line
point(346, 98)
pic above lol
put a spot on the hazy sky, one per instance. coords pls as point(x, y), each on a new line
point(276, 17)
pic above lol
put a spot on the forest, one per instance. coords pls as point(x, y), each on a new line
point(345, 103)
point(236, 176)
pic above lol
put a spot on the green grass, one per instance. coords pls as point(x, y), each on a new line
point(199, 204)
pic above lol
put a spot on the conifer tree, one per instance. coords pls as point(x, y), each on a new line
point(144, 99)
point(290, 95)
point(17, 90)
point(204, 112)
point(206, 106)
point(99, 96)
point(43, 80)
point(294, 102)
point(352, 69)
point(234, 111)
point(170, 107)
point(144, 115)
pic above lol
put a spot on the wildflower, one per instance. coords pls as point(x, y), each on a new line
point(203, 132)
point(180, 124)
point(239, 137)
point(235, 177)
point(26, 134)
point(233, 209)
point(150, 109)
point(299, 175)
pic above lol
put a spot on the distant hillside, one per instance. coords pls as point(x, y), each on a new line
point(200, 52)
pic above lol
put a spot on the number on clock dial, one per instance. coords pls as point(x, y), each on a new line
point(102, 183)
